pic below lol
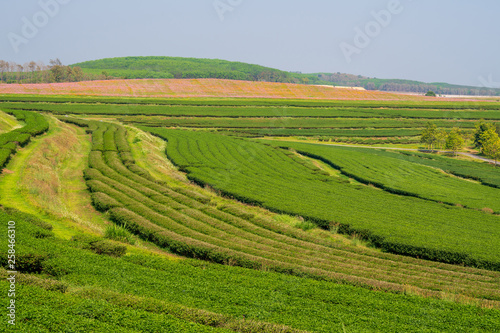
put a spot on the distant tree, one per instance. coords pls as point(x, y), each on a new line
point(430, 93)
point(370, 86)
point(55, 62)
point(3, 70)
point(454, 141)
point(57, 70)
point(69, 74)
point(78, 74)
point(429, 135)
point(481, 128)
point(441, 136)
point(105, 75)
point(32, 68)
point(491, 146)
point(19, 73)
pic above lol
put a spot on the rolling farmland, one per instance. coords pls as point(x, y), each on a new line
point(400, 232)
point(397, 173)
point(101, 292)
point(341, 121)
point(261, 175)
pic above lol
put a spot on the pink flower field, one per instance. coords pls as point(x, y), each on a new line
point(198, 88)
point(204, 88)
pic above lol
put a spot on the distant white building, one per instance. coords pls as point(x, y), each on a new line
point(340, 87)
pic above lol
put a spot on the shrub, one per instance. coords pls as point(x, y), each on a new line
point(109, 139)
point(305, 225)
point(108, 248)
point(30, 263)
point(119, 234)
point(47, 284)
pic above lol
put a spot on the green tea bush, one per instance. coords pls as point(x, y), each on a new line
point(103, 202)
point(109, 248)
point(254, 174)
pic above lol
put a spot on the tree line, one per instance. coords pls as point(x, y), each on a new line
point(405, 85)
point(485, 138)
point(39, 72)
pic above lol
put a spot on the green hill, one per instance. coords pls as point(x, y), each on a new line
point(182, 68)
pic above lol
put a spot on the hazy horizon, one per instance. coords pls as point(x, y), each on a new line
point(449, 41)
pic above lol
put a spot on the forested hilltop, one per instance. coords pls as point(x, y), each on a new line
point(182, 68)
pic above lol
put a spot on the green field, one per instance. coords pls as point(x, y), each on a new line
point(261, 175)
point(341, 121)
point(393, 172)
point(70, 284)
point(247, 234)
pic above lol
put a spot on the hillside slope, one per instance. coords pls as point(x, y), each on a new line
point(182, 68)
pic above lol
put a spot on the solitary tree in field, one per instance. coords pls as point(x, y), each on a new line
point(481, 128)
point(491, 144)
point(429, 135)
point(430, 93)
point(492, 149)
point(455, 141)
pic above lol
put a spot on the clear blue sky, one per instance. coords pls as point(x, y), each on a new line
point(454, 41)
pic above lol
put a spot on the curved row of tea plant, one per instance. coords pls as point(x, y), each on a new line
point(35, 124)
point(61, 285)
point(46, 267)
point(187, 223)
point(258, 174)
point(387, 170)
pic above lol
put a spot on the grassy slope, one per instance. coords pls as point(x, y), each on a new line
point(8, 123)
point(52, 177)
point(11, 194)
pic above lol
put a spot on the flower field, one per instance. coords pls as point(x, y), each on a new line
point(200, 88)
